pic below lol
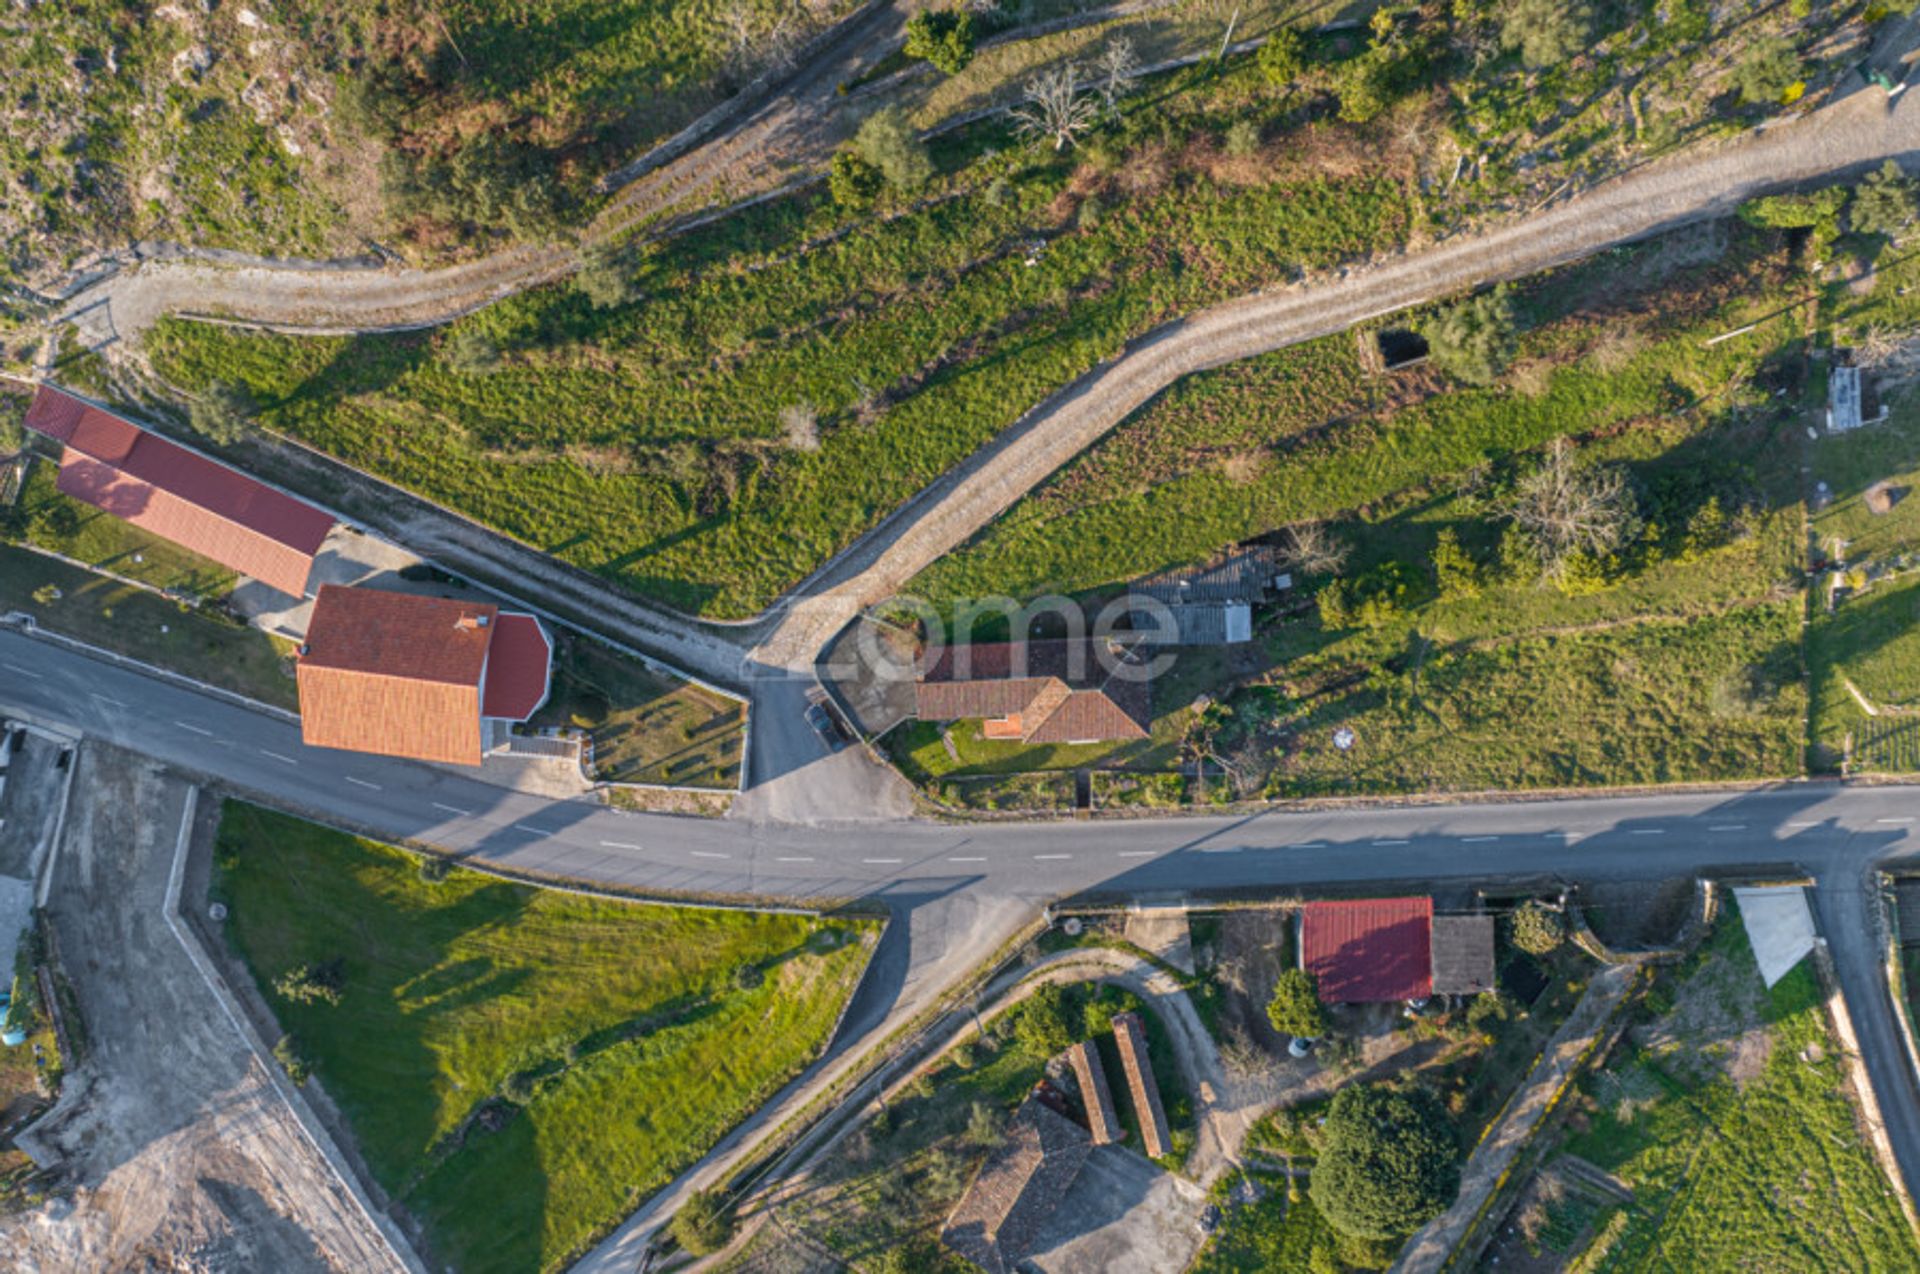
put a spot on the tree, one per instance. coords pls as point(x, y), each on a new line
point(1818, 210)
point(853, 182)
point(1457, 573)
point(983, 1125)
point(1565, 508)
point(1885, 201)
point(471, 352)
point(1472, 340)
point(1388, 1164)
point(1311, 549)
point(1537, 928)
point(222, 412)
point(888, 141)
point(1771, 69)
point(1042, 1027)
point(944, 38)
point(702, 1225)
point(603, 278)
point(1295, 1008)
point(1547, 32)
point(1054, 108)
point(1116, 65)
point(1365, 86)
point(1283, 57)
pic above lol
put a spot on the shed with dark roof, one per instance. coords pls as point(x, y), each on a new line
point(180, 495)
point(1369, 950)
point(1462, 955)
point(1130, 1034)
point(402, 675)
point(1102, 1122)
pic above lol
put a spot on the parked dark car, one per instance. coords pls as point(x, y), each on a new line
point(826, 727)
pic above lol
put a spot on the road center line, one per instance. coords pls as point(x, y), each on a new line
point(361, 782)
point(1726, 827)
point(1893, 820)
point(1648, 831)
point(707, 853)
point(1138, 853)
point(1221, 849)
point(533, 831)
point(283, 759)
point(30, 676)
point(894, 861)
point(793, 860)
point(454, 809)
point(1475, 840)
point(1805, 822)
point(618, 844)
point(1389, 842)
point(966, 860)
point(1311, 844)
point(193, 729)
point(98, 698)
point(1038, 858)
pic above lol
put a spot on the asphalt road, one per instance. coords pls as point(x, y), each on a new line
point(957, 890)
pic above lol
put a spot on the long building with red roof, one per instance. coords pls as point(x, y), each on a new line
point(180, 495)
point(404, 675)
point(1369, 950)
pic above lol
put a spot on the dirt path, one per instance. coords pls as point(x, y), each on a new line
point(1429, 1249)
point(180, 1149)
point(1851, 135)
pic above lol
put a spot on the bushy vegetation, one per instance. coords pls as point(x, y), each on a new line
point(1295, 1008)
point(1388, 1161)
point(500, 1051)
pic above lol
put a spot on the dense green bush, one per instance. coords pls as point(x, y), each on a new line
point(1473, 340)
point(222, 412)
point(1537, 928)
point(1283, 57)
point(1885, 201)
point(1389, 1162)
point(702, 1225)
point(942, 37)
point(1547, 32)
point(887, 141)
point(1771, 70)
point(1295, 1008)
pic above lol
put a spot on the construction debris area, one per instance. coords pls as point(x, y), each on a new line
point(170, 1147)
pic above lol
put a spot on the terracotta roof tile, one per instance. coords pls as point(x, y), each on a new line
point(1130, 1033)
point(1017, 1188)
point(1369, 950)
point(1061, 691)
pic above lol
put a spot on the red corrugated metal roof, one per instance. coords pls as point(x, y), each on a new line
point(1369, 950)
point(180, 495)
point(518, 667)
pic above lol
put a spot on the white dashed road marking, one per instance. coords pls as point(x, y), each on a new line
point(1137, 853)
point(618, 844)
point(1041, 858)
point(30, 676)
point(452, 809)
point(894, 861)
point(793, 860)
point(1893, 820)
point(1220, 849)
point(193, 729)
point(966, 860)
point(1648, 831)
point(705, 853)
point(362, 783)
point(1726, 827)
point(284, 760)
point(533, 831)
point(114, 703)
point(1475, 840)
point(1389, 842)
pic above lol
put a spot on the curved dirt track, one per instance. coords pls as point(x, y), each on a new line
point(1857, 132)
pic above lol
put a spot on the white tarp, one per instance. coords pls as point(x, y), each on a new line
point(1779, 927)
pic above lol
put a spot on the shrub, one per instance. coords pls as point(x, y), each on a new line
point(1574, 515)
point(983, 1125)
point(853, 182)
point(311, 983)
point(1370, 600)
point(964, 1057)
point(1818, 210)
point(888, 142)
point(221, 414)
point(1043, 1028)
point(292, 1061)
point(1283, 57)
point(1295, 1008)
point(434, 869)
point(702, 1225)
point(1547, 32)
point(1473, 340)
point(471, 352)
point(603, 278)
point(747, 977)
point(943, 38)
point(1769, 72)
point(1537, 928)
point(1488, 1006)
point(1243, 138)
point(1389, 1162)
point(1365, 86)
point(1885, 201)
point(800, 424)
point(1457, 574)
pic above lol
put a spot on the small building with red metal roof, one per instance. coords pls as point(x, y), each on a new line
point(180, 495)
point(1369, 950)
point(404, 675)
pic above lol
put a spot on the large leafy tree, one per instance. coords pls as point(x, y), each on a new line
point(1885, 201)
point(1388, 1163)
point(944, 38)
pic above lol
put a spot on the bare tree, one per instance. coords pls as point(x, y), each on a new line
point(1565, 508)
point(1117, 65)
point(1311, 549)
point(801, 424)
point(1054, 107)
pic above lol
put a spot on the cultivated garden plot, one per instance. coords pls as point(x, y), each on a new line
point(1720, 1133)
point(645, 727)
point(520, 1068)
point(707, 419)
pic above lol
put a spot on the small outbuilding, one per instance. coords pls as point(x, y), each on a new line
point(1369, 950)
point(1462, 955)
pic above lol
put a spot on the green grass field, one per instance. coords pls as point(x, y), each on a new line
point(1734, 1127)
point(1269, 1235)
point(646, 728)
point(63, 525)
point(522, 1067)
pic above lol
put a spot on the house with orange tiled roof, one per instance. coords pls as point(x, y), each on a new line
point(430, 678)
point(1078, 691)
point(176, 493)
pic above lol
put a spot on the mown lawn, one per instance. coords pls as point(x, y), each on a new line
point(1727, 1111)
point(521, 1067)
point(64, 525)
point(142, 625)
point(646, 728)
point(1269, 1235)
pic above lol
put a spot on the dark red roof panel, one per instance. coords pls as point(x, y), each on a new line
point(517, 668)
point(1369, 950)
